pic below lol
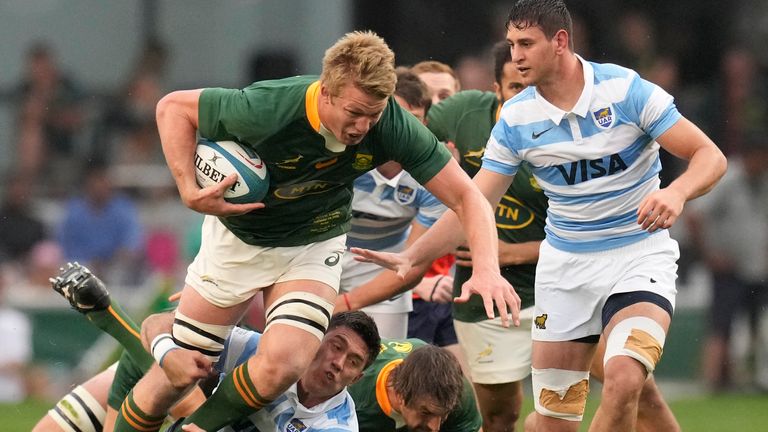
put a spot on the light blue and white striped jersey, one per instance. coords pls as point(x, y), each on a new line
point(383, 209)
point(596, 162)
point(286, 413)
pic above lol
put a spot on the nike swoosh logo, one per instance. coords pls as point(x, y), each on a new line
point(323, 164)
point(653, 280)
point(535, 135)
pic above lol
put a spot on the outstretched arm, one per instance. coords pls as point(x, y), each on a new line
point(469, 209)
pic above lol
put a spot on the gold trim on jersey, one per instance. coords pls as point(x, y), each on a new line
point(381, 386)
point(310, 105)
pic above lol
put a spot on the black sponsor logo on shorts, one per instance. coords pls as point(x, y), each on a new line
point(541, 322)
point(333, 259)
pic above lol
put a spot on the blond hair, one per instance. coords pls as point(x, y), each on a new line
point(363, 59)
point(435, 67)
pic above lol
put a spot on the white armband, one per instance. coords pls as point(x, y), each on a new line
point(161, 345)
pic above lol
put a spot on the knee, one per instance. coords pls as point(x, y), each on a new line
point(501, 420)
point(624, 378)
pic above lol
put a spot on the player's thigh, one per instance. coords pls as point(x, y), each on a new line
point(497, 354)
point(497, 400)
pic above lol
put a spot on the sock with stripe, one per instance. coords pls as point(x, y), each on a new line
point(131, 418)
point(115, 322)
point(235, 398)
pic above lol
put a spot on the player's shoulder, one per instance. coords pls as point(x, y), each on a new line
point(298, 83)
point(607, 71)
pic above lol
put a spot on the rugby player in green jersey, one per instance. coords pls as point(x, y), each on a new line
point(414, 386)
point(315, 135)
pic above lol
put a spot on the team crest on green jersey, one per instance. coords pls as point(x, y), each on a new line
point(363, 162)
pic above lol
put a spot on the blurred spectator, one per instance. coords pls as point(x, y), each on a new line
point(20, 229)
point(50, 115)
point(742, 99)
point(126, 135)
point(474, 73)
point(101, 229)
point(439, 78)
point(27, 283)
point(729, 226)
point(16, 340)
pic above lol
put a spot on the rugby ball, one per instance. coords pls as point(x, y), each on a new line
point(215, 160)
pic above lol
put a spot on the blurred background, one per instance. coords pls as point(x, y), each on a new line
point(84, 176)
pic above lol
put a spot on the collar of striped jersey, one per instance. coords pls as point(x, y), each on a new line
point(498, 112)
point(310, 105)
point(581, 108)
point(381, 386)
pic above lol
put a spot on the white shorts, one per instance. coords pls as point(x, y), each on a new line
point(355, 273)
point(228, 271)
point(571, 288)
point(496, 355)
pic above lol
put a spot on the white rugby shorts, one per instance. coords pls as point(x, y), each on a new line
point(571, 288)
point(495, 354)
point(228, 271)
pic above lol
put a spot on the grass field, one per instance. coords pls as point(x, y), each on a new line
point(708, 414)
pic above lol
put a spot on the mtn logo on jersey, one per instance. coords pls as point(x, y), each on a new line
point(405, 194)
point(363, 162)
point(512, 214)
point(299, 190)
point(295, 425)
point(603, 117)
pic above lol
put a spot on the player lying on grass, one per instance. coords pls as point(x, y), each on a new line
point(319, 401)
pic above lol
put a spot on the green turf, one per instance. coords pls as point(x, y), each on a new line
point(708, 414)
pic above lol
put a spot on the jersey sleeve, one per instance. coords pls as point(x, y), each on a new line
point(411, 144)
point(246, 115)
point(652, 107)
point(500, 153)
point(238, 348)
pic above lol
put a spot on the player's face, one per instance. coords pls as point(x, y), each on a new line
point(338, 363)
point(532, 53)
point(511, 83)
point(441, 85)
point(423, 415)
point(350, 114)
point(417, 112)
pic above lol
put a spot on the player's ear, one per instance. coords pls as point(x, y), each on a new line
point(325, 93)
point(561, 40)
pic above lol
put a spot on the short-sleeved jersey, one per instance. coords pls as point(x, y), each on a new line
point(383, 209)
point(596, 162)
point(466, 119)
point(311, 174)
point(374, 411)
point(286, 413)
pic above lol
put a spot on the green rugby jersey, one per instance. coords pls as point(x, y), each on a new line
point(310, 189)
point(373, 406)
point(466, 119)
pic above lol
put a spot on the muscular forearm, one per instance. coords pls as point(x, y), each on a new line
point(476, 217)
point(177, 125)
point(384, 286)
point(154, 325)
point(705, 168)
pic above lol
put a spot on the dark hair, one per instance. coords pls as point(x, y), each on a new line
point(550, 15)
point(412, 89)
point(429, 372)
point(501, 56)
point(362, 324)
